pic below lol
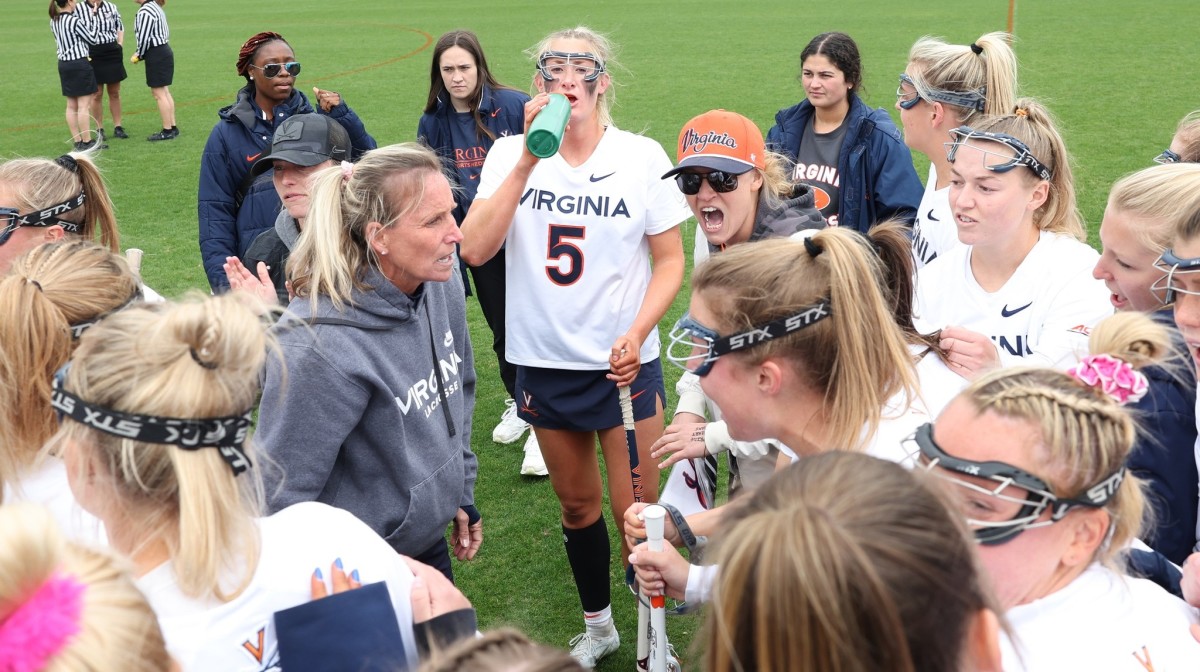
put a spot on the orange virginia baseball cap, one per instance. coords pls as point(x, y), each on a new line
point(720, 140)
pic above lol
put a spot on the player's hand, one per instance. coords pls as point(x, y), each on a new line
point(535, 105)
point(327, 100)
point(662, 572)
point(467, 538)
point(970, 353)
point(624, 362)
point(680, 440)
point(242, 280)
point(432, 593)
point(635, 527)
point(341, 581)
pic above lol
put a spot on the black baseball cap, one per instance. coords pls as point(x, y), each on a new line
point(306, 140)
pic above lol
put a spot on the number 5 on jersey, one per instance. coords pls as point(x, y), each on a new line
point(558, 246)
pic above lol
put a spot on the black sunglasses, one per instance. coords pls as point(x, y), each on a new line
point(272, 70)
point(720, 181)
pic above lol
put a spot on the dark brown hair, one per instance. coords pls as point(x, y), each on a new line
point(468, 41)
point(250, 49)
point(842, 51)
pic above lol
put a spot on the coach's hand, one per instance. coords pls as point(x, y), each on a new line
point(625, 362)
point(432, 593)
point(635, 527)
point(327, 100)
point(467, 537)
point(680, 440)
point(970, 353)
point(662, 572)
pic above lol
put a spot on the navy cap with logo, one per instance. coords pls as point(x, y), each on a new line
point(306, 140)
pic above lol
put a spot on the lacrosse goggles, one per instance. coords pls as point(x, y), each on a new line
point(971, 100)
point(694, 347)
point(1001, 501)
point(1023, 156)
point(1168, 287)
point(553, 65)
point(11, 219)
point(1168, 157)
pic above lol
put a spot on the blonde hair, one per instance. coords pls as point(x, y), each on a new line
point(41, 183)
point(333, 253)
point(857, 358)
point(835, 551)
point(1164, 199)
point(1188, 132)
point(777, 178)
point(117, 628)
point(958, 69)
point(501, 650)
point(1031, 123)
point(48, 289)
point(1085, 436)
point(602, 47)
point(199, 359)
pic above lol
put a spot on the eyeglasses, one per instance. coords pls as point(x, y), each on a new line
point(720, 181)
point(903, 97)
point(1167, 288)
point(694, 347)
point(1022, 157)
point(999, 500)
point(1168, 156)
point(554, 65)
point(272, 70)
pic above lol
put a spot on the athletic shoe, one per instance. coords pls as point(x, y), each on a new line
point(174, 131)
point(164, 134)
point(588, 650)
point(119, 132)
point(95, 143)
point(511, 427)
point(533, 464)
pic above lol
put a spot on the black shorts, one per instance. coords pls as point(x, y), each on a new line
point(160, 66)
point(584, 401)
point(108, 61)
point(77, 78)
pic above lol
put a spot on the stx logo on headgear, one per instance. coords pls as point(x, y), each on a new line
point(696, 142)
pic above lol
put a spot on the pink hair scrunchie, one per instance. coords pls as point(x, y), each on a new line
point(38, 629)
point(347, 171)
point(1115, 377)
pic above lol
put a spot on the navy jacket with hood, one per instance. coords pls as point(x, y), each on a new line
point(502, 111)
point(875, 169)
point(236, 142)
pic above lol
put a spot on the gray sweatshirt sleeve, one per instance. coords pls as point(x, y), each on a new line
point(305, 415)
point(470, 462)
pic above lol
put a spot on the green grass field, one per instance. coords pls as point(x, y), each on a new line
point(1119, 75)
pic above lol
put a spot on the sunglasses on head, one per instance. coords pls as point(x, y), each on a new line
point(720, 181)
point(272, 70)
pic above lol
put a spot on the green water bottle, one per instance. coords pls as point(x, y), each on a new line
point(546, 132)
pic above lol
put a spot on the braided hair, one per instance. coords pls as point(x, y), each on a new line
point(250, 49)
point(1085, 435)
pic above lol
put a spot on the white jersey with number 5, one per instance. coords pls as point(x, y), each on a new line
point(1041, 317)
point(577, 257)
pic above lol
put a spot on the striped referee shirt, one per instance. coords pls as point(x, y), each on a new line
point(105, 19)
point(151, 26)
point(72, 35)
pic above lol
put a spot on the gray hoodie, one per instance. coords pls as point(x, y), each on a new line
point(357, 420)
point(795, 214)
